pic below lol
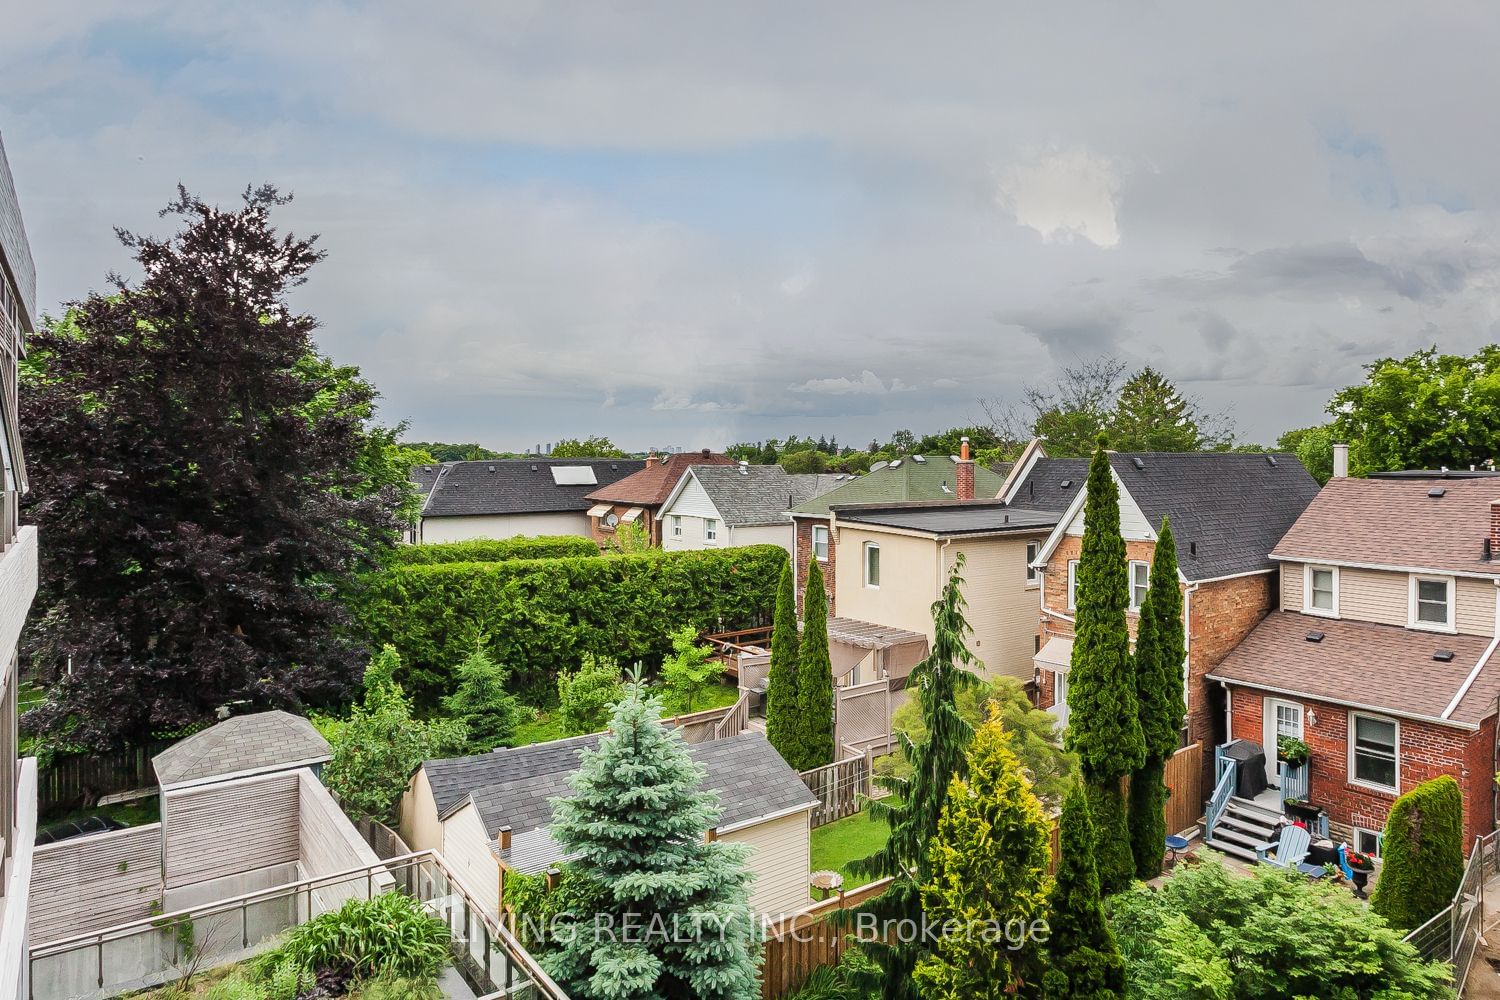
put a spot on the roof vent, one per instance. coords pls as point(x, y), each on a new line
point(1271, 461)
point(1315, 637)
point(878, 466)
point(1138, 463)
point(744, 467)
point(1065, 483)
point(945, 487)
point(1443, 656)
point(1192, 548)
point(533, 468)
point(896, 464)
point(1436, 492)
point(613, 467)
point(492, 468)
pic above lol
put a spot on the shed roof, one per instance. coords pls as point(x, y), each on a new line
point(868, 635)
point(522, 485)
point(263, 741)
point(924, 477)
point(651, 486)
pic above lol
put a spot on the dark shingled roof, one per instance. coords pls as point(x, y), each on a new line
point(954, 517)
point(654, 483)
point(15, 251)
point(1043, 488)
point(1384, 668)
point(751, 779)
point(758, 494)
point(518, 486)
point(261, 741)
point(425, 476)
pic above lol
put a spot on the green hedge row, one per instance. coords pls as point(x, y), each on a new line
point(494, 550)
point(539, 616)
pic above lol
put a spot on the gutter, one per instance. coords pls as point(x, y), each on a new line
point(768, 817)
point(1360, 706)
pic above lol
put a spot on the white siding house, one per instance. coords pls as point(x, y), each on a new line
point(722, 506)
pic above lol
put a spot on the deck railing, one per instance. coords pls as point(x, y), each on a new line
point(1225, 769)
point(1295, 780)
point(736, 720)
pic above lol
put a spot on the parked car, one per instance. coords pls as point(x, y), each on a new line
point(68, 829)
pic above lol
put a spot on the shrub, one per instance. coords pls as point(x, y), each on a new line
point(688, 673)
point(390, 935)
point(587, 695)
point(1423, 854)
point(493, 550)
point(541, 615)
point(481, 703)
point(398, 988)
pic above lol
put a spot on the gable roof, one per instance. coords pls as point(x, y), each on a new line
point(1396, 523)
point(1384, 668)
point(1228, 509)
point(244, 743)
point(425, 476)
point(912, 478)
point(651, 486)
point(1050, 484)
point(752, 494)
point(522, 485)
point(750, 777)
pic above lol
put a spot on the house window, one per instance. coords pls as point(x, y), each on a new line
point(1140, 578)
point(1367, 841)
point(1060, 698)
point(1320, 590)
point(1432, 603)
point(676, 525)
point(711, 529)
point(1374, 750)
point(820, 542)
point(1032, 548)
point(872, 564)
point(1072, 584)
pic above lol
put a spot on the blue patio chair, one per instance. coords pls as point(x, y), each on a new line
point(1289, 851)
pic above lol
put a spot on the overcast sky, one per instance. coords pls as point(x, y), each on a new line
point(688, 224)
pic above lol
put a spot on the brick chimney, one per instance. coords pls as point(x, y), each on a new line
point(963, 485)
point(1492, 546)
point(651, 460)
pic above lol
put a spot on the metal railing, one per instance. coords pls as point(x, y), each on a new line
point(1452, 935)
point(158, 950)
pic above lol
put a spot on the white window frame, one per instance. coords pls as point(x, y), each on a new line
point(1353, 740)
point(1416, 580)
point(1033, 549)
point(865, 551)
point(710, 529)
point(676, 525)
point(1145, 587)
point(1375, 835)
point(1072, 584)
point(820, 529)
point(1059, 707)
point(1307, 591)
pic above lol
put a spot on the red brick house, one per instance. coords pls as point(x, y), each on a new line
point(637, 498)
point(1378, 655)
point(1227, 509)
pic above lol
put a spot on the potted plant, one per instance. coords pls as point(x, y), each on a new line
point(1301, 809)
point(1360, 865)
point(1292, 751)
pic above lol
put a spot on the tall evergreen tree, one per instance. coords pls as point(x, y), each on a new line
point(1153, 415)
point(482, 703)
point(207, 487)
point(781, 686)
point(1083, 961)
point(1104, 726)
point(988, 868)
point(636, 825)
point(1160, 649)
point(916, 801)
point(814, 678)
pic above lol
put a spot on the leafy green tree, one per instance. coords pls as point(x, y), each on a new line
point(441, 452)
point(916, 801)
point(587, 694)
point(801, 462)
point(589, 447)
point(1422, 854)
point(688, 673)
point(1083, 961)
point(1104, 725)
point(481, 703)
point(903, 442)
point(1207, 934)
point(814, 678)
point(635, 824)
point(1151, 414)
point(1034, 736)
point(375, 752)
point(987, 868)
point(1313, 447)
point(630, 537)
point(782, 726)
point(1160, 651)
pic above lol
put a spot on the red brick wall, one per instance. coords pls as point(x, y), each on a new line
point(804, 559)
point(605, 537)
point(1427, 751)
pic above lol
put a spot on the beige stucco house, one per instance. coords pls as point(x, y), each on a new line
point(489, 814)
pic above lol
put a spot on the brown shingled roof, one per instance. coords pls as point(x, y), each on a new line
point(1393, 522)
point(649, 487)
point(1383, 668)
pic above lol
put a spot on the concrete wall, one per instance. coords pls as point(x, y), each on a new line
point(1384, 597)
point(780, 859)
point(463, 529)
point(909, 577)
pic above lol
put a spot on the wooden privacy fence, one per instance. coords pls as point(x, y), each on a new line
point(1184, 781)
point(798, 945)
point(840, 786)
point(80, 780)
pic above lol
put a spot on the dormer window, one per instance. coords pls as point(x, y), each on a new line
point(1432, 603)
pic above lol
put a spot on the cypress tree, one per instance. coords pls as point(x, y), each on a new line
point(1422, 854)
point(916, 802)
point(636, 825)
point(1104, 726)
point(988, 865)
point(1084, 962)
point(781, 685)
point(814, 679)
point(1160, 648)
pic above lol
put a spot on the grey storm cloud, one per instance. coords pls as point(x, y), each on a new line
point(696, 223)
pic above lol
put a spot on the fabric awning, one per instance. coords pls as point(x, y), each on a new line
point(599, 509)
point(1056, 654)
point(632, 514)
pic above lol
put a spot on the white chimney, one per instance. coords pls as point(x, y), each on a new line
point(1341, 461)
point(744, 467)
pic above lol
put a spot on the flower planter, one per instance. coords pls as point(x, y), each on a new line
point(1306, 812)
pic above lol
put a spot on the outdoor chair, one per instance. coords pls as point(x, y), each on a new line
point(1289, 851)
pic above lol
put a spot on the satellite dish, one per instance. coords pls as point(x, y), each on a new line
point(611, 519)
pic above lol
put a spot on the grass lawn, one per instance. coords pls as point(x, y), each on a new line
point(718, 696)
point(836, 844)
point(546, 726)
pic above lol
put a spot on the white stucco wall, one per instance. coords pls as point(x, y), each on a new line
point(463, 529)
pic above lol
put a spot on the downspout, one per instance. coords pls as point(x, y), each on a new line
point(941, 562)
point(1187, 651)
